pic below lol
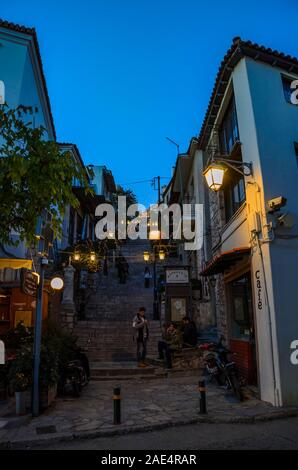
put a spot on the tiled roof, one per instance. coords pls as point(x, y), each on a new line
point(32, 32)
point(237, 51)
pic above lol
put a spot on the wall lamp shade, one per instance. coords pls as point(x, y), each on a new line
point(57, 283)
point(214, 174)
point(162, 255)
point(92, 256)
point(146, 256)
point(76, 256)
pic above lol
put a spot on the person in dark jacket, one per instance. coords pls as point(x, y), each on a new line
point(190, 333)
point(170, 343)
point(140, 326)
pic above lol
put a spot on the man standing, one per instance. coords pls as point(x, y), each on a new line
point(140, 326)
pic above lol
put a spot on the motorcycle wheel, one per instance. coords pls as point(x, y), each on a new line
point(77, 385)
point(84, 378)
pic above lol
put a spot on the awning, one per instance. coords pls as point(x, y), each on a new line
point(14, 263)
point(225, 260)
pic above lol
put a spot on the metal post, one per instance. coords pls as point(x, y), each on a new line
point(155, 303)
point(158, 186)
point(37, 340)
point(202, 390)
point(117, 404)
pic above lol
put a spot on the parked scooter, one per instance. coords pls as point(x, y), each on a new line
point(75, 375)
point(220, 368)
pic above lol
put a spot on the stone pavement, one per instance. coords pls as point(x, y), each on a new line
point(146, 405)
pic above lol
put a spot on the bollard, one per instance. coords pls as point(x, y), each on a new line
point(117, 405)
point(202, 390)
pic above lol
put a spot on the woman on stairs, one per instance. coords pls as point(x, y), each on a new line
point(140, 326)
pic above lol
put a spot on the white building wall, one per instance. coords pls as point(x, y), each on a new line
point(268, 126)
point(277, 130)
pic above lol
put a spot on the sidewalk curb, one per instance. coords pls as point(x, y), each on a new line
point(118, 431)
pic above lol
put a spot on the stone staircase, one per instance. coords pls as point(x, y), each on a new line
point(106, 333)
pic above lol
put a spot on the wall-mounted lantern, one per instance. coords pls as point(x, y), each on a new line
point(217, 167)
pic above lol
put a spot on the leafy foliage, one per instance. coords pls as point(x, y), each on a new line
point(131, 198)
point(57, 349)
point(34, 176)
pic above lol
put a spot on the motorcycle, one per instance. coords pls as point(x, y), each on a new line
point(220, 368)
point(75, 375)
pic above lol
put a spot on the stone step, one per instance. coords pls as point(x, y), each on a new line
point(116, 369)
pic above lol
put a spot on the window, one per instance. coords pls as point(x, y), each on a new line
point(228, 131)
point(241, 306)
point(234, 194)
point(286, 84)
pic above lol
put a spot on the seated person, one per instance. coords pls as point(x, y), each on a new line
point(190, 333)
point(170, 343)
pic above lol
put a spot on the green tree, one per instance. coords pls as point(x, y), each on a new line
point(34, 176)
point(131, 198)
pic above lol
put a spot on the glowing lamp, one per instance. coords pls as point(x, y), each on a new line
point(161, 255)
point(154, 235)
point(57, 283)
point(92, 256)
point(76, 256)
point(214, 174)
point(146, 256)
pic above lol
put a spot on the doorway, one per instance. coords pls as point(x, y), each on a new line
point(242, 328)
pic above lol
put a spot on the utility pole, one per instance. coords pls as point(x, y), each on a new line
point(155, 180)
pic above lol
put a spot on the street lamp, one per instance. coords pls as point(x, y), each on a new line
point(215, 170)
point(214, 174)
point(161, 255)
point(146, 256)
point(57, 283)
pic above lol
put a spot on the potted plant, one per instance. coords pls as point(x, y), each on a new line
point(20, 377)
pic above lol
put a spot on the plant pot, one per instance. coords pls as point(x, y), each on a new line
point(20, 403)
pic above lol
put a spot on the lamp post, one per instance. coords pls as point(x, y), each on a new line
point(161, 255)
point(37, 339)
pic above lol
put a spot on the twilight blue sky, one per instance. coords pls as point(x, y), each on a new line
point(124, 74)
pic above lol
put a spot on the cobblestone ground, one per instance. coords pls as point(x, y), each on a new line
point(145, 403)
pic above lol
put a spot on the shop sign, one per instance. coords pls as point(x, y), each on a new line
point(177, 276)
point(29, 282)
point(259, 289)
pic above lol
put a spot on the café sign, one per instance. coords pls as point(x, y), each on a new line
point(29, 282)
point(177, 276)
